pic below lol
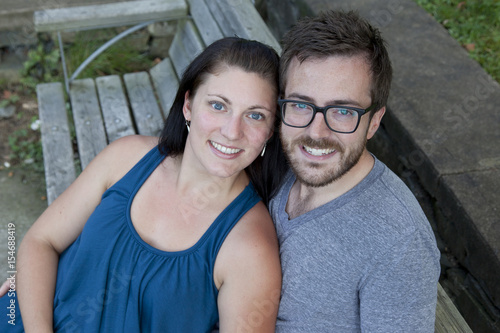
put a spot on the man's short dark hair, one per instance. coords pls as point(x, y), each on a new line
point(338, 33)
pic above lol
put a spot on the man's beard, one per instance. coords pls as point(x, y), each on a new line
point(324, 175)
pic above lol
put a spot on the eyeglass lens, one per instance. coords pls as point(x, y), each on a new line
point(339, 119)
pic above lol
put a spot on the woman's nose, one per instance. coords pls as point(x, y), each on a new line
point(232, 129)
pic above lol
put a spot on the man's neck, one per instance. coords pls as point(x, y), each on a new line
point(303, 198)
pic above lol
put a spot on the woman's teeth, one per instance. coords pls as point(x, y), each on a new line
point(223, 149)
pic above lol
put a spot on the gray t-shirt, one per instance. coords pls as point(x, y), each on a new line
point(366, 261)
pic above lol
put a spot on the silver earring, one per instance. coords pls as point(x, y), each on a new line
point(188, 122)
point(263, 150)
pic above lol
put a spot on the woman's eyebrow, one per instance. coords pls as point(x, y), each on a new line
point(225, 99)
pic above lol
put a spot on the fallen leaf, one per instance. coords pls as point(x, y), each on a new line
point(7, 94)
point(470, 47)
point(43, 198)
point(461, 5)
point(10, 174)
point(157, 61)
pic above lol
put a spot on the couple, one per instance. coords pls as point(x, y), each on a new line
point(173, 236)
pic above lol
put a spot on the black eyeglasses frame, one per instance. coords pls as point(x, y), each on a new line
point(316, 109)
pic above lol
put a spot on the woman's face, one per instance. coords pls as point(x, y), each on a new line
point(232, 116)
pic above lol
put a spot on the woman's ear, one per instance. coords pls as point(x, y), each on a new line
point(186, 108)
point(375, 123)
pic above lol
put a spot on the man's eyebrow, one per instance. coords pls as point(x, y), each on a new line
point(331, 102)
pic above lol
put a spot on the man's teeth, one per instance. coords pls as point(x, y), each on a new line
point(223, 149)
point(318, 152)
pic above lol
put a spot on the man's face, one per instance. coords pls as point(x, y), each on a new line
point(317, 155)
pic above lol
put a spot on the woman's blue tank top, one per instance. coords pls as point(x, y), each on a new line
point(110, 280)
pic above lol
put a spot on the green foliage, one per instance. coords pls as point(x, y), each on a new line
point(475, 24)
point(11, 100)
point(27, 148)
point(41, 67)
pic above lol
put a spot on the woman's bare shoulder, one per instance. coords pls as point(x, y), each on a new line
point(122, 154)
point(253, 237)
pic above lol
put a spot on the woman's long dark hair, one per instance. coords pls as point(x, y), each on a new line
point(265, 172)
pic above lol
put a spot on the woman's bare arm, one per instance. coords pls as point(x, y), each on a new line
point(60, 225)
point(249, 269)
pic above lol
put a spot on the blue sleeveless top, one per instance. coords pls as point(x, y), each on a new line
point(110, 280)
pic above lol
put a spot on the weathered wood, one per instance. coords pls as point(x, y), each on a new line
point(207, 26)
point(448, 319)
point(166, 84)
point(116, 113)
point(147, 114)
point(89, 126)
point(107, 15)
point(240, 18)
point(56, 139)
point(186, 45)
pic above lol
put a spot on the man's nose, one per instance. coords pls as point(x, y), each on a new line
point(318, 128)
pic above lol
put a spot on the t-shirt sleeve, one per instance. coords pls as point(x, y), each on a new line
point(399, 294)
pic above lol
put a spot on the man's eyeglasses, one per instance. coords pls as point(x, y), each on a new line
point(340, 119)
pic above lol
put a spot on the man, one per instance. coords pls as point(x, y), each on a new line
point(357, 252)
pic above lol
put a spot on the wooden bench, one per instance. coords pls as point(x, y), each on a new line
point(107, 108)
point(110, 107)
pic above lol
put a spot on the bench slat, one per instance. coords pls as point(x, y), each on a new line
point(207, 26)
point(448, 319)
point(147, 114)
point(89, 125)
point(186, 45)
point(166, 84)
point(239, 17)
point(59, 165)
point(115, 110)
point(108, 15)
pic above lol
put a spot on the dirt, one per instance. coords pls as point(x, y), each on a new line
point(22, 190)
point(26, 111)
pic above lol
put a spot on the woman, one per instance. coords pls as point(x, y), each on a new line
point(169, 236)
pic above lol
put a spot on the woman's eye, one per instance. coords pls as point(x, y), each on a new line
point(217, 106)
point(256, 116)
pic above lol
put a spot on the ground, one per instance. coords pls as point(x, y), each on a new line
point(22, 190)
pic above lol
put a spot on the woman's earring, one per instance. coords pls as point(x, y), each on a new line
point(263, 150)
point(188, 122)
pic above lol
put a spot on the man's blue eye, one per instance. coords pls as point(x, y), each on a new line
point(301, 106)
point(344, 112)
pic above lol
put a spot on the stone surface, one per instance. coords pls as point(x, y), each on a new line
point(469, 202)
point(22, 200)
point(7, 111)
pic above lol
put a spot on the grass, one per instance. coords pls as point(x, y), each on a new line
point(122, 57)
point(475, 24)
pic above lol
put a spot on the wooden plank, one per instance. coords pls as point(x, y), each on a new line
point(89, 126)
point(115, 110)
point(147, 114)
point(207, 27)
point(448, 319)
point(108, 15)
point(166, 84)
point(58, 156)
point(185, 46)
point(240, 18)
